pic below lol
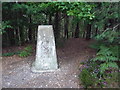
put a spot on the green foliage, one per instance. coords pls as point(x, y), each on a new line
point(4, 25)
point(26, 52)
point(82, 63)
point(104, 12)
point(25, 17)
point(10, 54)
point(96, 45)
point(106, 66)
point(112, 80)
point(81, 10)
point(108, 52)
point(91, 72)
point(28, 49)
point(107, 56)
point(108, 35)
point(86, 78)
point(77, 9)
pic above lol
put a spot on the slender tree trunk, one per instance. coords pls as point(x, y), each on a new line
point(11, 36)
point(56, 26)
point(50, 19)
point(5, 39)
point(83, 34)
point(33, 35)
point(66, 26)
point(22, 37)
point(72, 34)
point(30, 29)
point(17, 37)
point(77, 30)
point(96, 31)
point(88, 32)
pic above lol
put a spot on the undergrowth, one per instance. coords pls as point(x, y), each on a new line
point(103, 69)
point(10, 54)
point(27, 51)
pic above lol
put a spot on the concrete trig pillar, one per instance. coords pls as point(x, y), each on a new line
point(46, 59)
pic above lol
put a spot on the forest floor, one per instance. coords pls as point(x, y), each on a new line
point(17, 71)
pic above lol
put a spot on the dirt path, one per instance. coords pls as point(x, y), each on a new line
point(17, 74)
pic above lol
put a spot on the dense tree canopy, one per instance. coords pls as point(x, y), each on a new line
point(70, 19)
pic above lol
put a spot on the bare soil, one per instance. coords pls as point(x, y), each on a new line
point(17, 71)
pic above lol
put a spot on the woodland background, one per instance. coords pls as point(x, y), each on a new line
point(87, 21)
point(70, 20)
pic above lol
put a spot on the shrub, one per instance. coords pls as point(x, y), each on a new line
point(28, 49)
point(10, 53)
point(109, 78)
point(26, 52)
point(104, 66)
point(86, 78)
point(96, 45)
point(108, 57)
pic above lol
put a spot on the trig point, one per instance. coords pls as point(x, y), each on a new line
point(46, 59)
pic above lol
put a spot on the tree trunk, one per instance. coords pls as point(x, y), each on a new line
point(22, 37)
point(16, 37)
point(5, 39)
point(30, 29)
point(66, 26)
point(50, 19)
point(56, 26)
point(88, 32)
point(84, 34)
point(77, 30)
point(96, 31)
point(11, 36)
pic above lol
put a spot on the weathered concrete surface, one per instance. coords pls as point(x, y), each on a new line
point(46, 59)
